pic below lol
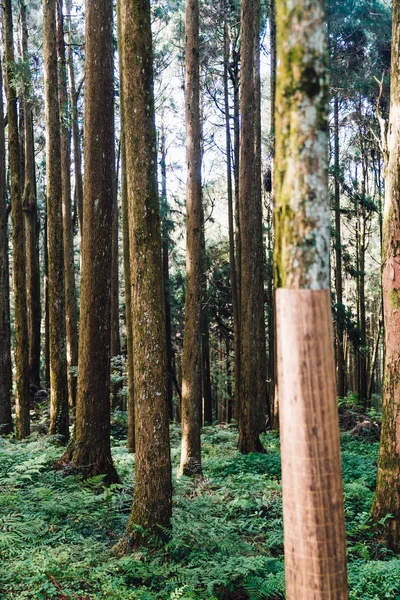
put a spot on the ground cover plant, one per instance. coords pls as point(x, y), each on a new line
point(58, 533)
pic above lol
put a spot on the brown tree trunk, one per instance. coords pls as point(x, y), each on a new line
point(46, 306)
point(75, 124)
point(126, 250)
point(115, 347)
point(68, 234)
point(314, 531)
point(340, 317)
point(165, 262)
point(232, 257)
point(152, 504)
point(59, 420)
point(6, 424)
point(18, 236)
point(206, 407)
point(251, 244)
point(32, 225)
point(387, 494)
point(91, 452)
point(191, 357)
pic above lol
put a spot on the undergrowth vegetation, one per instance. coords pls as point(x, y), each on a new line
point(57, 533)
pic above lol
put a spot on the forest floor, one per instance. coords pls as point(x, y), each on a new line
point(57, 533)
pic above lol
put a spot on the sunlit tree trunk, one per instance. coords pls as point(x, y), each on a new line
point(387, 494)
point(18, 237)
point(152, 504)
point(314, 532)
point(191, 357)
point(68, 234)
point(91, 452)
point(59, 421)
point(6, 424)
point(31, 221)
point(251, 243)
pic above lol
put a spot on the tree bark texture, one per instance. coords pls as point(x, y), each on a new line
point(315, 551)
point(59, 419)
point(68, 233)
point(92, 452)
point(152, 502)
point(6, 424)
point(387, 494)
point(32, 225)
point(22, 403)
point(251, 243)
point(126, 250)
point(192, 355)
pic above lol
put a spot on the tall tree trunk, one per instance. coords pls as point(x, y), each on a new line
point(126, 249)
point(46, 306)
point(68, 234)
point(251, 244)
point(387, 494)
point(59, 420)
point(6, 424)
point(232, 257)
point(165, 262)
point(75, 124)
point(206, 407)
point(260, 409)
point(272, 395)
point(152, 504)
point(340, 317)
point(315, 551)
point(191, 357)
point(21, 322)
point(115, 335)
point(32, 226)
point(91, 452)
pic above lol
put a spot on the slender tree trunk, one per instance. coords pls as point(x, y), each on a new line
point(206, 407)
point(22, 403)
point(46, 306)
point(126, 250)
point(152, 504)
point(59, 420)
point(315, 551)
point(32, 225)
point(115, 336)
point(91, 452)
point(165, 262)
point(250, 233)
point(68, 234)
point(260, 409)
point(232, 257)
point(340, 318)
point(6, 424)
point(191, 358)
point(273, 395)
point(75, 123)
point(387, 494)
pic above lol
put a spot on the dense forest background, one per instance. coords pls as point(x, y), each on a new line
point(140, 249)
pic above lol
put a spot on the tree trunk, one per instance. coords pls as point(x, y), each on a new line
point(152, 504)
point(387, 494)
point(46, 306)
point(32, 225)
point(59, 420)
point(126, 250)
point(22, 403)
point(340, 316)
point(260, 409)
point(115, 336)
point(68, 234)
point(91, 452)
point(165, 262)
point(206, 407)
point(315, 550)
point(251, 243)
point(191, 357)
point(232, 257)
point(6, 424)
point(75, 124)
